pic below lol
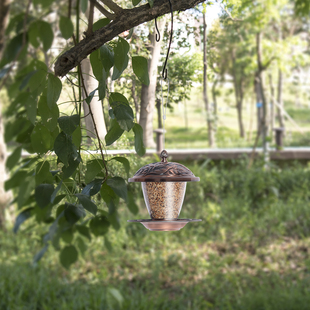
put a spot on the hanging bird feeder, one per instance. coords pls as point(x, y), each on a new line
point(163, 185)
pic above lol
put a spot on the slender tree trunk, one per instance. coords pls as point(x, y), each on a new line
point(238, 94)
point(264, 123)
point(4, 196)
point(272, 108)
point(96, 105)
point(148, 92)
point(280, 99)
point(205, 84)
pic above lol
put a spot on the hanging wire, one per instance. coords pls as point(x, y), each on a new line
point(165, 70)
point(164, 106)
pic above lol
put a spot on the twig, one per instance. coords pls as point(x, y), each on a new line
point(112, 6)
point(22, 47)
point(95, 126)
point(89, 30)
point(69, 8)
point(105, 12)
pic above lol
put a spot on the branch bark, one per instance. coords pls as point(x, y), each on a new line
point(125, 21)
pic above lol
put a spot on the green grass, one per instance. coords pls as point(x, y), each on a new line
point(251, 251)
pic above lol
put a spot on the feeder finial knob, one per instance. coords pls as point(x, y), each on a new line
point(164, 156)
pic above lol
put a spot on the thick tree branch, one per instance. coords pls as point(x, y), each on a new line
point(112, 6)
point(103, 10)
point(125, 21)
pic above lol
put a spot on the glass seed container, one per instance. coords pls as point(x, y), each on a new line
point(163, 186)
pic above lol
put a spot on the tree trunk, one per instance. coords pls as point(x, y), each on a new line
point(272, 107)
point(261, 88)
point(238, 95)
point(148, 92)
point(280, 99)
point(96, 106)
point(205, 84)
point(4, 196)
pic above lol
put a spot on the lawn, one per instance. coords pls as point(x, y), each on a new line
point(251, 251)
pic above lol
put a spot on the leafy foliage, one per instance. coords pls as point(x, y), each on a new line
point(54, 187)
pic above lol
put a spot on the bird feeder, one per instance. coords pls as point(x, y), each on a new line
point(163, 185)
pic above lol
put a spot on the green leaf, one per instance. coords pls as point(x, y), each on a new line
point(43, 194)
point(54, 87)
point(43, 174)
point(93, 167)
point(124, 161)
point(151, 3)
point(77, 137)
point(102, 85)
point(114, 133)
point(81, 245)
point(87, 203)
point(13, 159)
point(92, 188)
point(100, 23)
point(67, 235)
point(68, 124)
point(57, 189)
point(120, 53)
point(139, 145)
point(16, 179)
point(74, 213)
point(136, 2)
point(71, 168)
point(41, 139)
point(38, 80)
point(96, 64)
point(107, 57)
point(99, 226)
point(90, 96)
point(13, 48)
point(40, 254)
point(123, 114)
point(25, 190)
point(84, 5)
point(64, 148)
point(140, 68)
point(84, 231)
point(49, 116)
point(117, 73)
point(68, 256)
point(21, 218)
point(107, 193)
point(41, 30)
point(66, 27)
point(31, 107)
point(117, 97)
point(131, 204)
point(119, 186)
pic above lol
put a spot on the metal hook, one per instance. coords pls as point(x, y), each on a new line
point(165, 70)
point(158, 33)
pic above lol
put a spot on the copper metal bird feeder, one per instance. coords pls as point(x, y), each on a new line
point(163, 185)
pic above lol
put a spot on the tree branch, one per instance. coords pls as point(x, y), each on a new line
point(112, 6)
point(227, 12)
point(103, 10)
point(125, 21)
